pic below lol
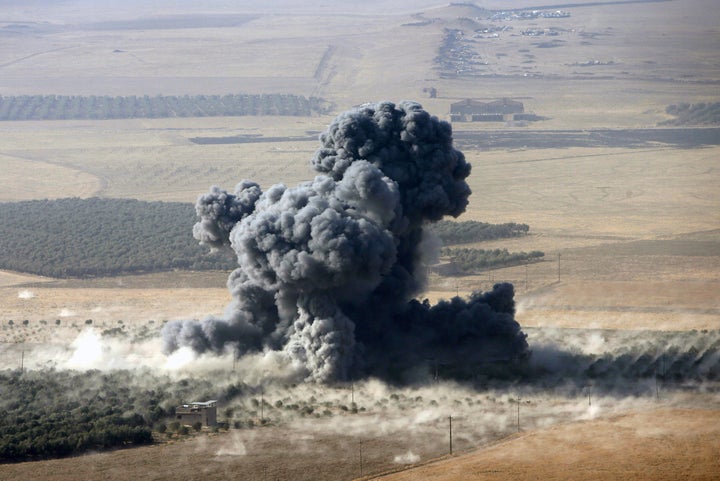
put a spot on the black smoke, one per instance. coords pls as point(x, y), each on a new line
point(328, 270)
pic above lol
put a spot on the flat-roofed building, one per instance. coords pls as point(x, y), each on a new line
point(203, 411)
point(470, 110)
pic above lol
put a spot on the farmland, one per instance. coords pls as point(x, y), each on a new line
point(623, 204)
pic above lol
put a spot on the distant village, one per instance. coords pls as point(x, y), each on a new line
point(458, 57)
point(529, 14)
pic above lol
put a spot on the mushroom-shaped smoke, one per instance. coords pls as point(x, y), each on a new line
point(328, 270)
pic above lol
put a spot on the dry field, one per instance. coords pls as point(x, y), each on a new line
point(631, 235)
point(657, 444)
point(560, 437)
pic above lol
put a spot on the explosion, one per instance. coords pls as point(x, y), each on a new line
point(328, 271)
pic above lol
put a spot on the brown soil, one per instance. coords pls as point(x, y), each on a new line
point(664, 444)
point(580, 201)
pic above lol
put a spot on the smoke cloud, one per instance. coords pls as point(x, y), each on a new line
point(328, 270)
point(407, 458)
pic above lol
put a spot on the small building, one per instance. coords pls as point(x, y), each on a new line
point(465, 109)
point(470, 110)
point(203, 411)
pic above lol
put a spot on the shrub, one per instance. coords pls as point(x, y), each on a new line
point(451, 232)
point(470, 260)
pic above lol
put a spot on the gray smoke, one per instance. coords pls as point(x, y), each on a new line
point(328, 270)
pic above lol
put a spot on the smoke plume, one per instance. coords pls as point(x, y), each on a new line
point(328, 270)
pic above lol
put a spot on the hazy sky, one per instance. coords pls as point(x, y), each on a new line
point(72, 11)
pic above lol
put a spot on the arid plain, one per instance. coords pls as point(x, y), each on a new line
point(631, 232)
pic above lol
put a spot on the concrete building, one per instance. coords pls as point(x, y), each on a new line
point(203, 411)
point(470, 110)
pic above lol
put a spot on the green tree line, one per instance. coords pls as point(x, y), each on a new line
point(472, 260)
point(50, 413)
point(74, 107)
point(694, 114)
point(55, 414)
point(451, 232)
point(102, 237)
point(78, 238)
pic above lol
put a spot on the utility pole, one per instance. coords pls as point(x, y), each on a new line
point(22, 361)
point(518, 414)
point(658, 373)
point(662, 365)
point(352, 392)
point(450, 420)
point(558, 267)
